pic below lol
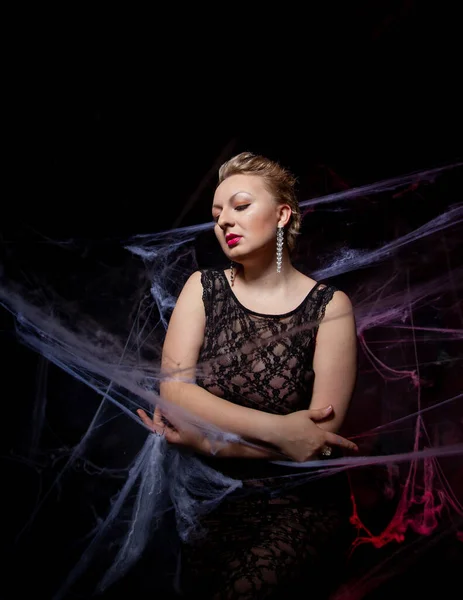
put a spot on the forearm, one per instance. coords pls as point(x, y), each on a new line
point(233, 450)
point(237, 450)
point(247, 423)
point(335, 420)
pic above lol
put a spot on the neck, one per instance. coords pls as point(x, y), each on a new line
point(264, 272)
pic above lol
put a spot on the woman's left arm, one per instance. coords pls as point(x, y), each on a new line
point(335, 361)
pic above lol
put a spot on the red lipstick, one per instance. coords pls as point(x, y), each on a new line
point(232, 239)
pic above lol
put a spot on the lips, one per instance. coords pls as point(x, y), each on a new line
point(232, 239)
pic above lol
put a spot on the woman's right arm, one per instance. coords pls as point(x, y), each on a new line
point(184, 338)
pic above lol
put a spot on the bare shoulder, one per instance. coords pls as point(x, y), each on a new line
point(338, 325)
point(194, 279)
point(190, 299)
point(192, 286)
point(339, 304)
point(185, 332)
point(339, 314)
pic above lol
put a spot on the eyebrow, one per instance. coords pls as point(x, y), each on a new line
point(232, 197)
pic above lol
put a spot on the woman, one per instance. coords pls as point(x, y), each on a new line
point(264, 352)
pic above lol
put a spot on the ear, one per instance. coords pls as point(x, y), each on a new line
point(284, 214)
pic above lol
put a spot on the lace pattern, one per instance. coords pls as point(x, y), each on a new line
point(259, 361)
point(258, 545)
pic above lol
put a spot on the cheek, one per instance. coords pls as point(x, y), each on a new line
point(218, 234)
point(262, 222)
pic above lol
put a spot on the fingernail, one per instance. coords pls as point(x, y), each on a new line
point(328, 408)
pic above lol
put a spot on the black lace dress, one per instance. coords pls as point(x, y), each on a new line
point(262, 542)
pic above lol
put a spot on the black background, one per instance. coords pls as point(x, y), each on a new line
point(117, 123)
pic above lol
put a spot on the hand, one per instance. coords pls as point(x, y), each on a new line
point(299, 438)
point(190, 438)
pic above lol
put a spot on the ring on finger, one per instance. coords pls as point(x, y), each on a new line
point(326, 451)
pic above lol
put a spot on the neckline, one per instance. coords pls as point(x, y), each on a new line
point(271, 316)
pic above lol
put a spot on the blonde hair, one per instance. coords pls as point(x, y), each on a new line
point(278, 180)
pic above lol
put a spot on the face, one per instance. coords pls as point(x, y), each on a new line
point(246, 216)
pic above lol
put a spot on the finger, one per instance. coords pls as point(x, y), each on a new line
point(337, 440)
point(317, 414)
point(162, 419)
point(168, 432)
point(156, 426)
point(144, 417)
point(157, 417)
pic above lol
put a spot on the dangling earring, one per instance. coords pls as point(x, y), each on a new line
point(232, 274)
point(280, 237)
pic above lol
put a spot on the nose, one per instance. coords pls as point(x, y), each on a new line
point(225, 219)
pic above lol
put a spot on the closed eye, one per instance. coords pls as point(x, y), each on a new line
point(240, 208)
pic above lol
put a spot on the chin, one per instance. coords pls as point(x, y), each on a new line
point(235, 256)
